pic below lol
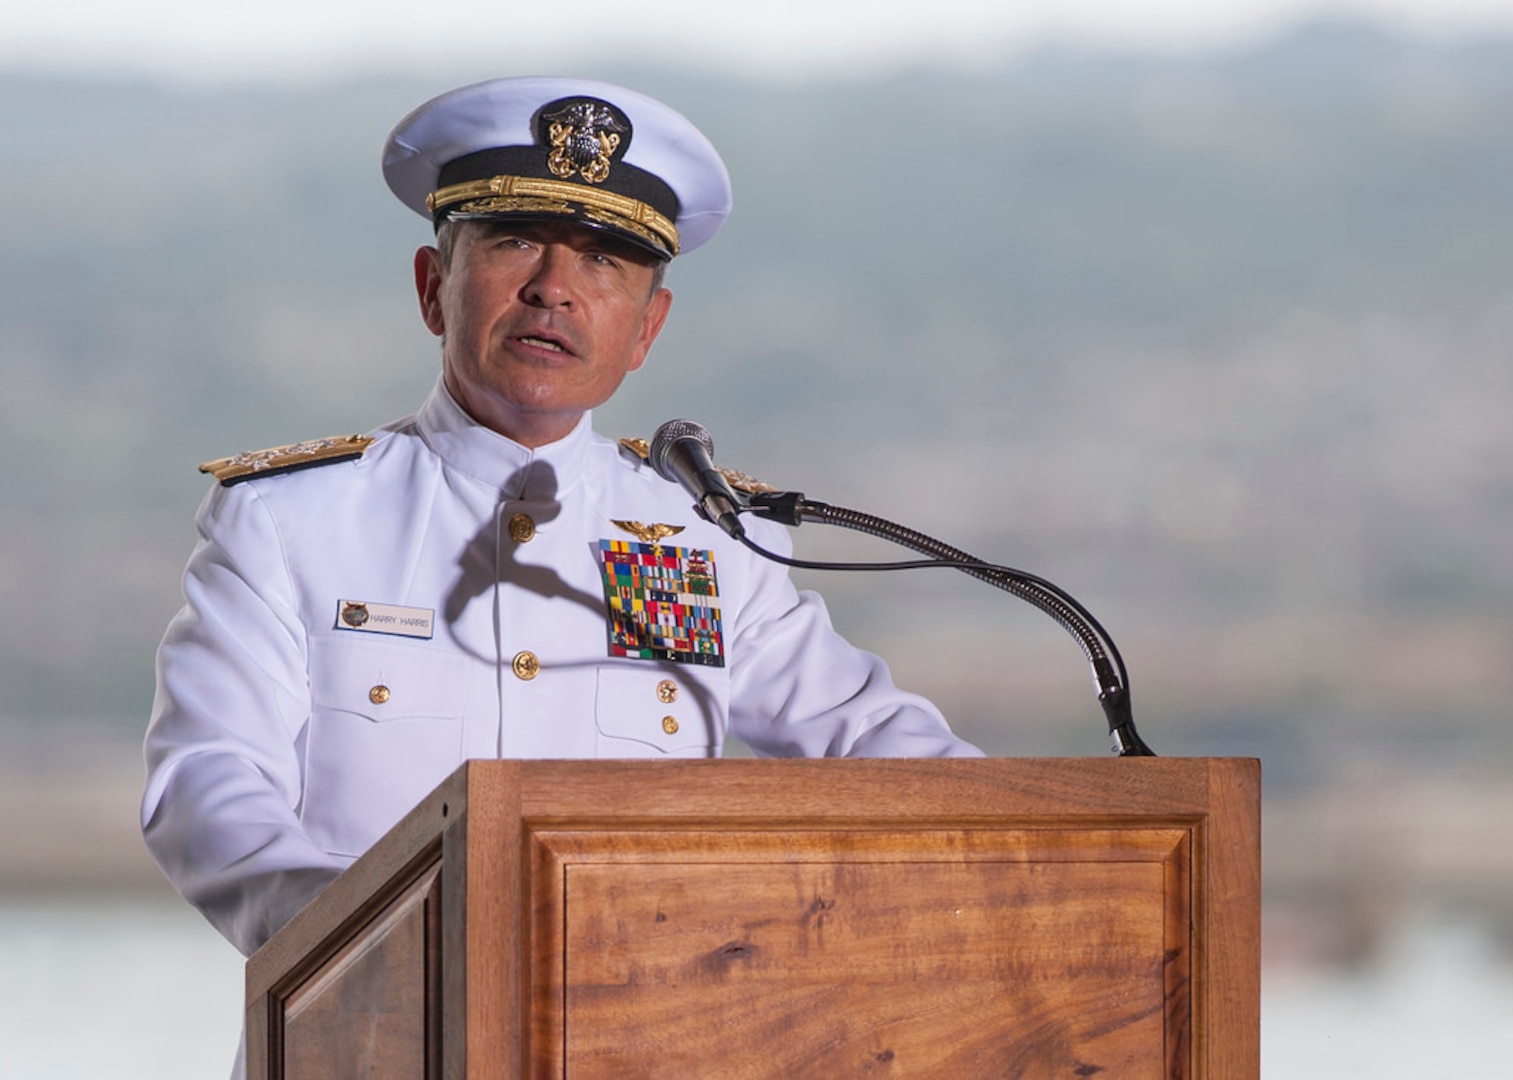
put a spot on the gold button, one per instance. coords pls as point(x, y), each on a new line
point(670, 724)
point(525, 665)
point(522, 528)
point(379, 694)
point(667, 691)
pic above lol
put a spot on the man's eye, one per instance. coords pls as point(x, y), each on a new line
point(509, 242)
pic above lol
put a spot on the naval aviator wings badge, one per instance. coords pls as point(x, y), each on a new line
point(663, 603)
point(648, 534)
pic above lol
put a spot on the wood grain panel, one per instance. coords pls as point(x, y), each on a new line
point(377, 998)
point(483, 1019)
point(866, 789)
point(906, 954)
point(1228, 1014)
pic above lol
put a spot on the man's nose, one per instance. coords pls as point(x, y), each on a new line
point(551, 284)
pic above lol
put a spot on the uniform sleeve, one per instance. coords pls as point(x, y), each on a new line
point(798, 689)
point(220, 811)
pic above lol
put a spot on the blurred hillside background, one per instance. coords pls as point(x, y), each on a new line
point(1218, 340)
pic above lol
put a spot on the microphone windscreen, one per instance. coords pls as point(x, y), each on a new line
point(667, 437)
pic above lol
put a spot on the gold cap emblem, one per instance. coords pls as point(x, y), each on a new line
point(584, 136)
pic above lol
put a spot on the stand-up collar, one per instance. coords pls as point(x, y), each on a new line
point(516, 471)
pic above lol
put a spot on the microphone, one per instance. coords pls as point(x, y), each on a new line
point(681, 451)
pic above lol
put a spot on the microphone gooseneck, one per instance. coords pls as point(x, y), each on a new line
point(1110, 677)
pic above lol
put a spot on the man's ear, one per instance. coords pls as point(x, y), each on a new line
point(651, 325)
point(428, 277)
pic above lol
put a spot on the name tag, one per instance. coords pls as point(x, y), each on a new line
point(369, 618)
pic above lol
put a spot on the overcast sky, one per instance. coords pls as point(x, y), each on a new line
point(297, 38)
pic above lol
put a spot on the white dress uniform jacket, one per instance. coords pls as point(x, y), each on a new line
point(284, 741)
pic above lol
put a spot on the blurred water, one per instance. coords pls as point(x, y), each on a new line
point(146, 991)
point(140, 990)
point(1437, 1004)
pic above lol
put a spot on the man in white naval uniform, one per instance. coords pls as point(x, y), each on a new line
point(489, 577)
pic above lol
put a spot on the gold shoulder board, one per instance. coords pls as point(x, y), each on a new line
point(740, 481)
point(282, 459)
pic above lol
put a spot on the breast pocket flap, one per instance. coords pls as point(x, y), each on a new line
point(384, 680)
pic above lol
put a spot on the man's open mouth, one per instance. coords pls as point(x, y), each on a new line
point(543, 343)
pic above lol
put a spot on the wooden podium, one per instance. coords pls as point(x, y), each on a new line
point(777, 919)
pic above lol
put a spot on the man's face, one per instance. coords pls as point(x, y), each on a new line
point(541, 322)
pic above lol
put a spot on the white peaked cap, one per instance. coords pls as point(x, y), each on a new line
point(515, 148)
